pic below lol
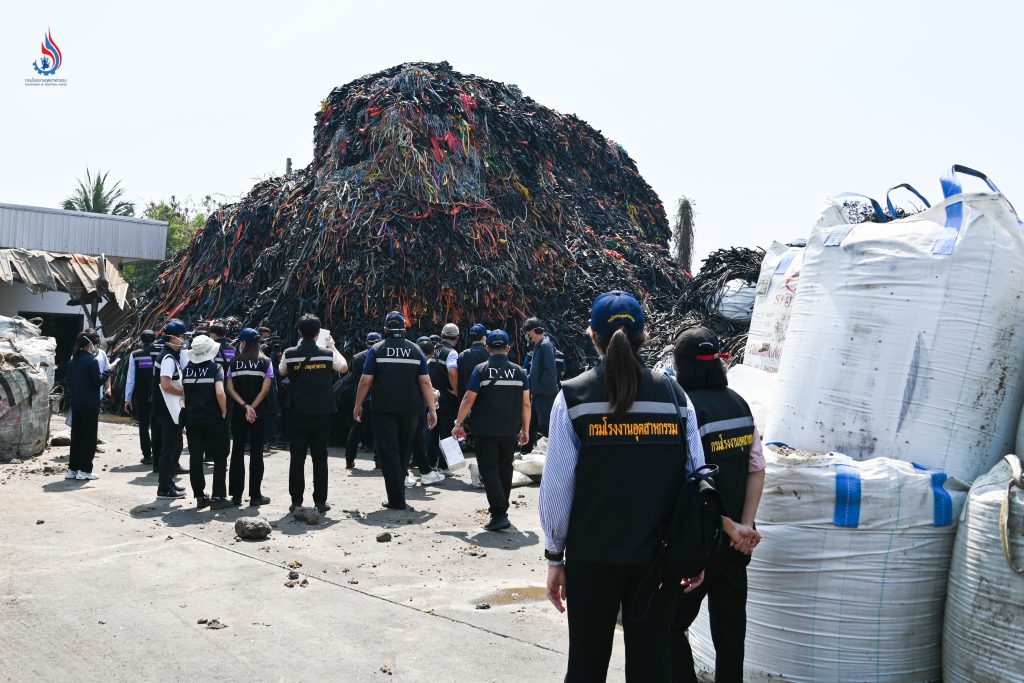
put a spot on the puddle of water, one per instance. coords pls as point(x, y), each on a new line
point(515, 596)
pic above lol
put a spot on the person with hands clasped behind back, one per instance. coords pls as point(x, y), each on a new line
point(732, 443)
point(205, 417)
point(622, 441)
point(250, 375)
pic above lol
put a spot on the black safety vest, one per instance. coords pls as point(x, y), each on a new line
point(727, 434)
point(247, 380)
point(311, 382)
point(437, 367)
point(396, 376)
point(159, 404)
point(225, 355)
point(156, 350)
point(629, 470)
point(468, 360)
point(199, 380)
point(498, 409)
point(350, 382)
point(143, 362)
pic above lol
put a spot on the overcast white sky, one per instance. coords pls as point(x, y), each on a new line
point(756, 110)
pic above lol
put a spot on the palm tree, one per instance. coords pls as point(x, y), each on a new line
point(94, 197)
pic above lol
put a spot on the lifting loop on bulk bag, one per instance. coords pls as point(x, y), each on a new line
point(952, 187)
point(909, 188)
point(1017, 479)
point(839, 233)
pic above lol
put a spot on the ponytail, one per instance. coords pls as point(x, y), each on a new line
point(622, 368)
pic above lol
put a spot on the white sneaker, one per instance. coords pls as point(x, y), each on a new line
point(444, 473)
point(431, 478)
point(72, 474)
point(87, 476)
point(409, 482)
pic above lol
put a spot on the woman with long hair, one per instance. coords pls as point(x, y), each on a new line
point(85, 381)
point(250, 374)
point(622, 440)
point(731, 443)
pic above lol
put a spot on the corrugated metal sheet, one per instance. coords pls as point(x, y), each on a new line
point(77, 274)
point(77, 232)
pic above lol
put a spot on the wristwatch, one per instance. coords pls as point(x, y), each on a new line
point(554, 557)
point(457, 424)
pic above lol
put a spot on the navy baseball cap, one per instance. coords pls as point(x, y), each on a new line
point(497, 339)
point(477, 331)
point(394, 321)
point(147, 336)
point(616, 309)
point(249, 335)
point(373, 337)
point(424, 340)
point(175, 328)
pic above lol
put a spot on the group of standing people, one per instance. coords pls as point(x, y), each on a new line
point(622, 441)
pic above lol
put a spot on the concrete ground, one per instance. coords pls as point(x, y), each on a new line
point(101, 581)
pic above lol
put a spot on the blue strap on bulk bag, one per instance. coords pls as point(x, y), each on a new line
point(847, 511)
point(951, 187)
point(784, 262)
point(839, 233)
point(943, 506)
point(909, 188)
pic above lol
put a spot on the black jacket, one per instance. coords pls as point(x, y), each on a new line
point(84, 380)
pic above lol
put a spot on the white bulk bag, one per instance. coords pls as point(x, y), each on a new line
point(737, 303)
point(755, 386)
point(983, 638)
point(776, 286)
point(849, 582)
point(905, 338)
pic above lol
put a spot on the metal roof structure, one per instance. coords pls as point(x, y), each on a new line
point(78, 232)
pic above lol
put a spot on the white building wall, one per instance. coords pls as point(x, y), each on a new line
point(17, 297)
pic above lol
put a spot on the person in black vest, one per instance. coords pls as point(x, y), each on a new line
point(206, 409)
point(498, 394)
point(621, 442)
point(250, 376)
point(311, 369)
point(226, 351)
point(396, 370)
point(167, 389)
point(138, 394)
point(472, 356)
point(443, 368)
point(84, 383)
point(359, 432)
point(156, 350)
point(732, 443)
point(422, 435)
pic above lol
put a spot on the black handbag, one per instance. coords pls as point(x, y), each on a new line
point(695, 530)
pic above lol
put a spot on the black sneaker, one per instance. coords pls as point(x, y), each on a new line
point(391, 506)
point(173, 494)
point(202, 502)
point(293, 507)
point(146, 460)
point(179, 488)
point(498, 524)
point(236, 500)
point(350, 465)
point(323, 508)
point(256, 501)
point(221, 504)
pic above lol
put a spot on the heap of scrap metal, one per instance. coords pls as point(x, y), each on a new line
point(445, 196)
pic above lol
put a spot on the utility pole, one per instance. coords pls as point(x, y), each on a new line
point(288, 166)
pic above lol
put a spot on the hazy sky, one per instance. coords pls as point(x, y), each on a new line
point(756, 110)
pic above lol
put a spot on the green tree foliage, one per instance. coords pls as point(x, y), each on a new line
point(94, 195)
point(183, 220)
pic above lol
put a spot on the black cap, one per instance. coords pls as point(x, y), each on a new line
point(147, 336)
point(699, 343)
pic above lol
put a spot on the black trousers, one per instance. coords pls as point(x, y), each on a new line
point(170, 450)
point(359, 432)
point(308, 434)
point(594, 593)
point(494, 457)
point(419, 446)
point(393, 435)
point(447, 411)
point(540, 417)
point(208, 438)
point(157, 439)
point(85, 424)
point(242, 431)
point(144, 414)
point(725, 585)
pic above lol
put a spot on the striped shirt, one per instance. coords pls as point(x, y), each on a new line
point(558, 485)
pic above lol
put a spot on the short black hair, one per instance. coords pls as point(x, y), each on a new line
point(533, 324)
point(309, 326)
point(218, 328)
point(427, 348)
